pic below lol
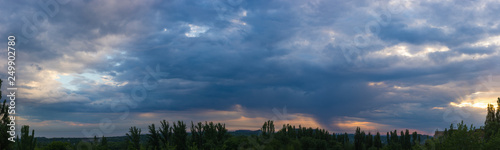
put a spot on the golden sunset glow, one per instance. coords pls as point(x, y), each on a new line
point(469, 104)
point(350, 123)
point(477, 99)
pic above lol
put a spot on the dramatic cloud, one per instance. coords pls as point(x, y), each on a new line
point(92, 67)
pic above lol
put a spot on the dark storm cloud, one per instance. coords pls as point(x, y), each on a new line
point(257, 54)
point(470, 22)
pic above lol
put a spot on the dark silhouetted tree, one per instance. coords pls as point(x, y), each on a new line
point(388, 138)
point(395, 142)
point(490, 116)
point(462, 138)
point(419, 140)
point(358, 139)
point(104, 143)
point(95, 144)
point(27, 142)
point(268, 129)
point(222, 134)
point(346, 138)
point(497, 114)
point(402, 140)
point(153, 138)
point(166, 134)
point(208, 135)
point(180, 136)
point(197, 134)
point(369, 140)
point(394, 137)
point(134, 138)
point(58, 145)
point(414, 139)
point(377, 142)
point(490, 124)
point(407, 144)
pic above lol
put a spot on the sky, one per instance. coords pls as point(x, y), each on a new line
point(88, 67)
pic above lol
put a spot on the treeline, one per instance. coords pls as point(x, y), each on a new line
point(206, 135)
point(214, 136)
point(404, 141)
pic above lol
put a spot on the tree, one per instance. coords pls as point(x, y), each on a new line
point(57, 145)
point(419, 140)
point(369, 140)
point(5, 143)
point(346, 138)
point(292, 132)
point(394, 140)
point(387, 138)
point(363, 140)
point(83, 145)
point(394, 137)
point(134, 137)
point(27, 142)
point(493, 142)
point(235, 142)
point(267, 129)
point(180, 136)
point(166, 134)
point(491, 124)
point(407, 140)
point(490, 116)
point(497, 114)
point(347, 144)
point(414, 138)
point(104, 143)
point(343, 139)
point(95, 144)
point(222, 134)
point(209, 136)
point(153, 137)
point(462, 138)
point(377, 142)
point(402, 139)
point(197, 134)
point(358, 139)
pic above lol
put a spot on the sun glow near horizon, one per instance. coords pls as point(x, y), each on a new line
point(478, 99)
